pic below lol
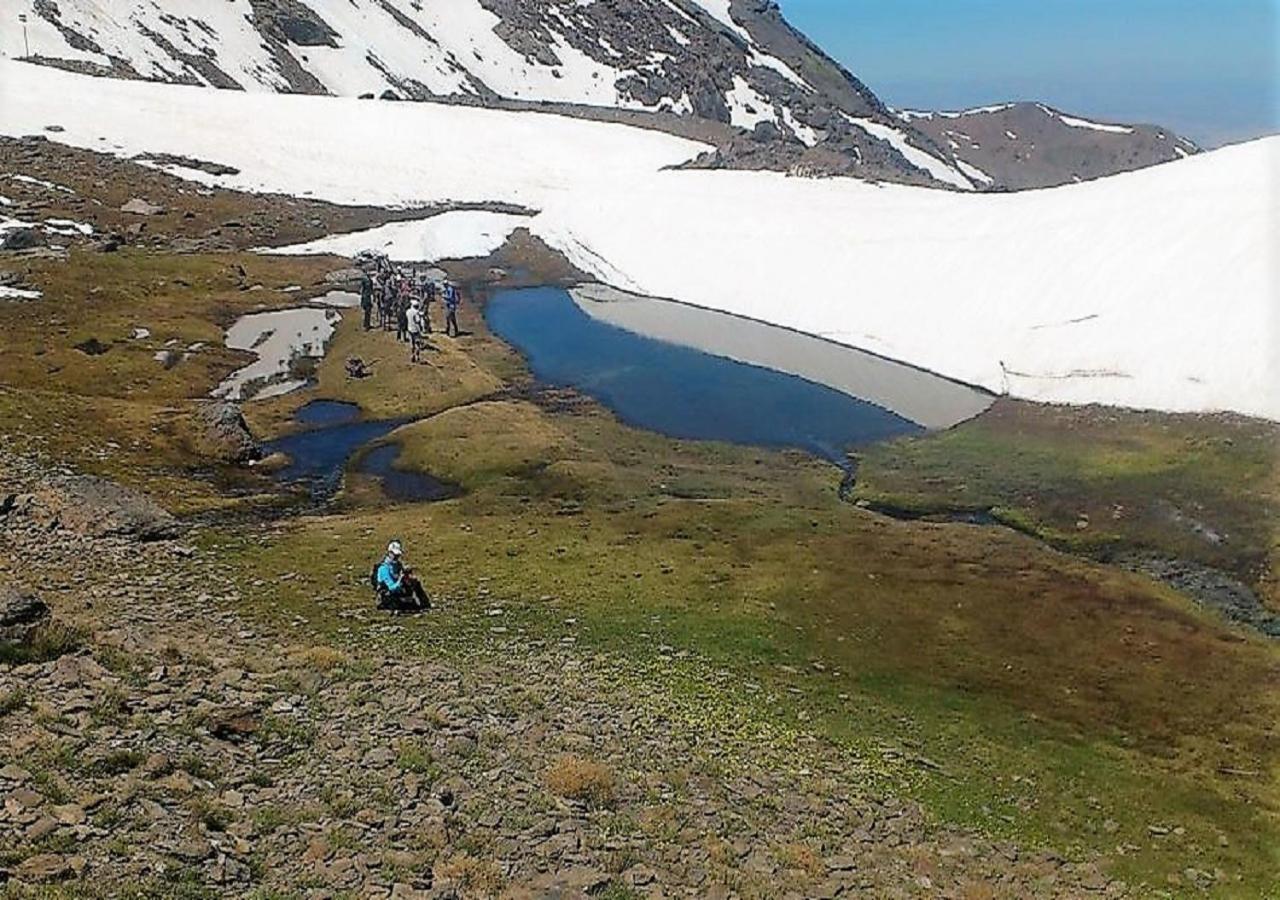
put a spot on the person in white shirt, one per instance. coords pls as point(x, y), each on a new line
point(415, 328)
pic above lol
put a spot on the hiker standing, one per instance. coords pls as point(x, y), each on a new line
point(382, 299)
point(424, 291)
point(388, 304)
point(366, 297)
point(414, 324)
point(451, 303)
point(402, 319)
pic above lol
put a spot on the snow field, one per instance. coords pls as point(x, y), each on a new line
point(1153, 289)
point(451, 235)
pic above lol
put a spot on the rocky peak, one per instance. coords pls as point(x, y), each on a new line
point(733, 73)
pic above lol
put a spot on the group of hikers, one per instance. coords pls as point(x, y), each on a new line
point(397, 299)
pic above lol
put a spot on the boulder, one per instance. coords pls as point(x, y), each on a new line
point(225, 435)
point(766, 133)
point(20, 614)
point(139, 207)
point(96, 507)
point(344, 276)
point(22, 239)
point(44, 867)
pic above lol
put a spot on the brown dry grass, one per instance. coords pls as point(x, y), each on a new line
point(584, 780)
point(473, 877)
point(320, 658)
point(801, 858)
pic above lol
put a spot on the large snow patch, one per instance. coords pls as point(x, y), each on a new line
point(458, 234)
point(1152, 289)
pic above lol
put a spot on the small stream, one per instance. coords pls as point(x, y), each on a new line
point(334, 436)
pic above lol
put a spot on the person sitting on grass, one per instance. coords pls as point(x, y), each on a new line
point(397, 587)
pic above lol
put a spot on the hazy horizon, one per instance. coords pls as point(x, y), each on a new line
point(1207, 70)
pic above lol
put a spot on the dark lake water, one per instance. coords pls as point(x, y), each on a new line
point(680, 391)
point(404, 485)
point(319, 455)
point(664, 367)
point(319, 413)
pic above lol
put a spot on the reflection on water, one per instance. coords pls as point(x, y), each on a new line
point(679, 390)
point(920, 396)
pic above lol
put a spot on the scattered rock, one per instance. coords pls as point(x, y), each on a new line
point(20, 614)
point(186, 162)
point(96, 507)
point(234, 724)
point(92, 347)
point(343, 276)
point(193, 849)
point(139, 207)
point(44, 867)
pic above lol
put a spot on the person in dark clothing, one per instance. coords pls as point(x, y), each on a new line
point(380, 299)
point(424, 292)
point(396, 585)
point(402, 319)
point(451, 303)
point(366, 298)
point(387, 305)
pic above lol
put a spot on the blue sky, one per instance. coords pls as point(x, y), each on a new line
point(1206, 68)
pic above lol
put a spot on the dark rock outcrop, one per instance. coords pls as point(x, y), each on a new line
point(96, 507)
point(21, 614)
point(22, 239)
point(224, 434)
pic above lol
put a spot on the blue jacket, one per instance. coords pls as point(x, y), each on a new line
point(390, 574)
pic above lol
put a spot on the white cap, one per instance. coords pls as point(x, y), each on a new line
point(394, 548)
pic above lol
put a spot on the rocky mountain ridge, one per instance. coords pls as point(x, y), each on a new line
point(732, 73)
point(1020, 146)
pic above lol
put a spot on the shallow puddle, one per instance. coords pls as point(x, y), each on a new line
point(278, 338)
point(404, 485)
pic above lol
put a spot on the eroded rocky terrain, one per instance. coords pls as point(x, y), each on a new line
point(162, 739)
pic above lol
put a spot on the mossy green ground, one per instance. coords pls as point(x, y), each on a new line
point(1205, 488)
point(1005, 685)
